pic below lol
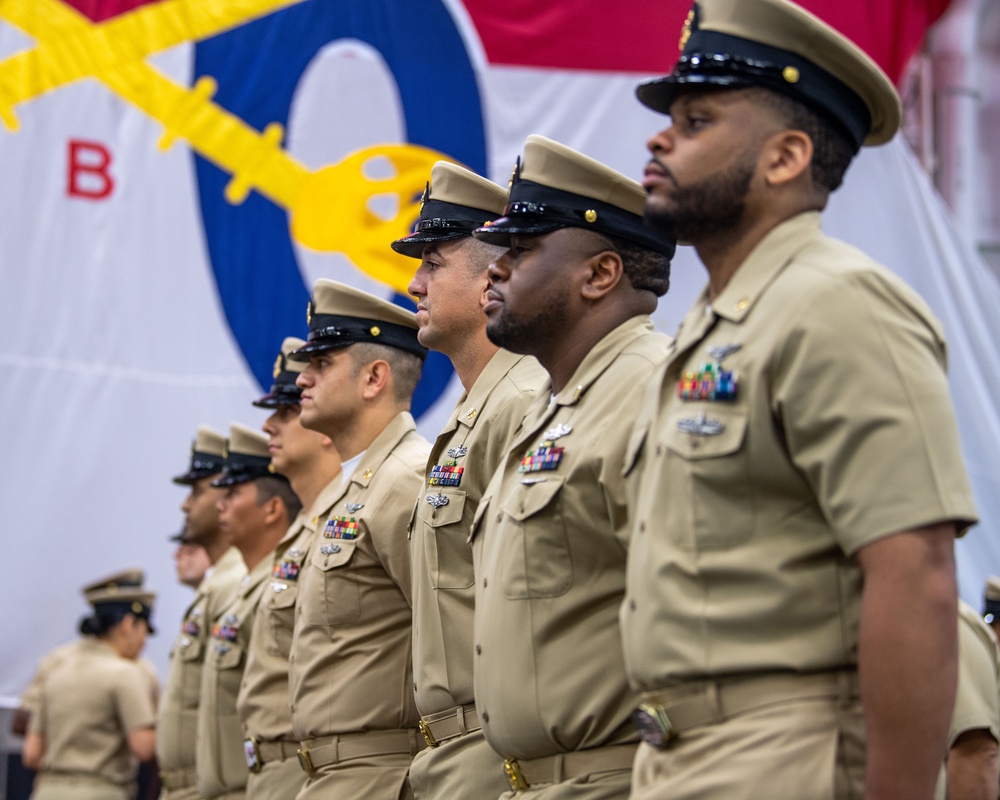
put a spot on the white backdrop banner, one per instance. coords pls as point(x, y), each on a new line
point(175, 177)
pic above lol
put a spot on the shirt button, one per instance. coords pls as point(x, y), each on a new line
point(484, 583)
point(631, 605)
point(486, 716)
point(659, 449)
point(479, 650)
point(500, 517)
point(414, 688)
point(642, 527)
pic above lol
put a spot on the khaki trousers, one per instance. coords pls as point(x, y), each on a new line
point(466, 767)
point(277, 780)
point(797, 750)
point(78, 787)
point(373, 778)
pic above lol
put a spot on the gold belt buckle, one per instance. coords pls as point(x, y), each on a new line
point(425, 731)
point(514, 775)
point(305, 761)
point(251, 752)
point(654, 725)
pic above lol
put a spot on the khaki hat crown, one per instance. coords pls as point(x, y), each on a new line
point(209, 440)
point(455, 203)
point(557, 166)
point(992, 591)
point(554, 187)
point(246, 441)
point(340, 315)
point(284, 391)
point(125, 580)
point(247, 457)
point(208, 453)
point(459, 186)
point(781, 46)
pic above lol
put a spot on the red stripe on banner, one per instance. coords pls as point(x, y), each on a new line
point(100, 10)
point(642, 35)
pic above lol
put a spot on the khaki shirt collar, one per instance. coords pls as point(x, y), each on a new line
point(379, 450)
point(600, 357)
point(470, 405)
point(254, 579)
point(771, 255)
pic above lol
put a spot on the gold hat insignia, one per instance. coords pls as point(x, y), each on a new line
point(277, 367)
point(686, 31)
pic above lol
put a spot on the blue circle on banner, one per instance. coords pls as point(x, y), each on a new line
point(258, 67)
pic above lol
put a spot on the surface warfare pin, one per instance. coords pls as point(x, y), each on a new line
point(437, 500)
point(353, 508)
point(711, 381)
point(546, 456)
point(341, 528)
point(701, 425)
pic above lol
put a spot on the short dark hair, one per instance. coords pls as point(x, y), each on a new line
point(832, 147)
point(645, 268)
point(274, 486)
point(406, 367)
point(481, 254)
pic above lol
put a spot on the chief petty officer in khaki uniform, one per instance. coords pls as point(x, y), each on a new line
point(791, 609)
point(96, 706)
point(255, 510)
point(178, 714)
point(312, 465)
point(30, 698)
point(450, 289)
point(350, 671)
point(574, 289)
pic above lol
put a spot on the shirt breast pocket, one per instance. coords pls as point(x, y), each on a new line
point(707, 464)
point(535, 554)
point(280, 610)
point(446, 544)
point(339, 598)
point(226, 655)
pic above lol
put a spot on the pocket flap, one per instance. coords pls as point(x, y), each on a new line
point(282, 598)
point(477, 518)
point(700, 433)
point(331, 553)
point(191, 651)
point(530, 498)
point(634, 447)
point(227, 655)
point(437, 514)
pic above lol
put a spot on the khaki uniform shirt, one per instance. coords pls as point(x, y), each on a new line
point(549, 542)
point(977, 703)
point(221, 762)
point(87, 705)
point(749, 509)
point(263, 702)
point(178, 718)
point(350, 667)
point(462, 461)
